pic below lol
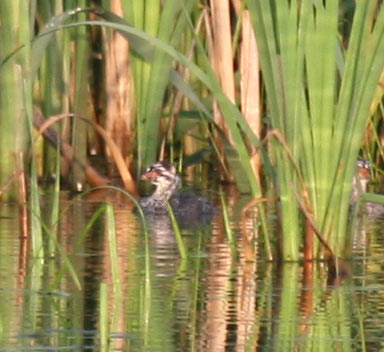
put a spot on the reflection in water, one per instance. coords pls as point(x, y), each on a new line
point(215, 300)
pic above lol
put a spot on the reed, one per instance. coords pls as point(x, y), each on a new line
point(287, 330)
point(15, 74)
point(227, 224)
point(208, 78)
point(166, 22)
point(55, 207)
point(117, 79)
point(36, 227)
point(67, 265)
point(81, 99)
point(318, 95)
point(117, 303)
point(50, 71)
point(195, 297)
point(104, 330)
point(115, 267)
point(176, 229)
point(320, 78)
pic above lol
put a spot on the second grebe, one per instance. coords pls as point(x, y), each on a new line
point(360, 185)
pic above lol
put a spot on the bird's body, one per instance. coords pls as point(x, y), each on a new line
point(167, 183)
point(360, 180)
point(186, 206)
point(360, 186)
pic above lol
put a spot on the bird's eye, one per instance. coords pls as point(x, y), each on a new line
point(364, 164)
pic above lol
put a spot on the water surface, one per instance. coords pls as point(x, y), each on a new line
point(213, 301)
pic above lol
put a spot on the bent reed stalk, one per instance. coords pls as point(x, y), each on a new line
point(318, 92)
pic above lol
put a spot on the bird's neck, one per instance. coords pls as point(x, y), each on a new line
point(164, 191)
point(359, 186)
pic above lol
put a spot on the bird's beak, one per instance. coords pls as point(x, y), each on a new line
point(364, 173)
point(149, 175)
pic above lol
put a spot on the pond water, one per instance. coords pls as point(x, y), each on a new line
point(214, 300)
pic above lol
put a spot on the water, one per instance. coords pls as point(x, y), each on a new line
point(213, 301)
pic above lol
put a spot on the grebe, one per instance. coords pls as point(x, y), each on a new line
point(360, 185)
point(360, 180)
point(186, 206)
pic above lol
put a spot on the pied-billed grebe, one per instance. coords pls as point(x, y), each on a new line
point(360, 186)
point(360, 180)
point(168, 189)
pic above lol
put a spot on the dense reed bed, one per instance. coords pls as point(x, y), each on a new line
point(181, 80)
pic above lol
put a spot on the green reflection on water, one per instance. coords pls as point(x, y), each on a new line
point(211, 301)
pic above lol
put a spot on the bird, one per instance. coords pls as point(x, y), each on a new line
point(361, 179)
point(360, 185)
point(187, 207)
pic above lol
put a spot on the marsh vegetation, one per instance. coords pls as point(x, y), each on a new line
point(273, 99)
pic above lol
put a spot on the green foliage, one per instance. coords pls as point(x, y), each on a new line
point(321, 112)
point(320, 77)
point(15, 74)
point(166, 22)
point(176, 229)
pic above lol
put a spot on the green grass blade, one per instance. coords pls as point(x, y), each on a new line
point(230, 111)
point(179, 238)
point(104, 329)
point(115, 268)
point(227, 224)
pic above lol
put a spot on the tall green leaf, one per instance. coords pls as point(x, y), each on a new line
point(320, 115)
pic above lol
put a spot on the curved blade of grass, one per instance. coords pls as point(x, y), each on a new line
point(79, 240)
point(41, 42)
point(125, 174)
point(227, 224)
point(146, 52)
point(147, 298)
point(115, 268)
point(321, 121)
point(95, 216)
point(179, 238)
point(230, 111)
point(67, 262)
point(127, 194)
point(232, 115)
